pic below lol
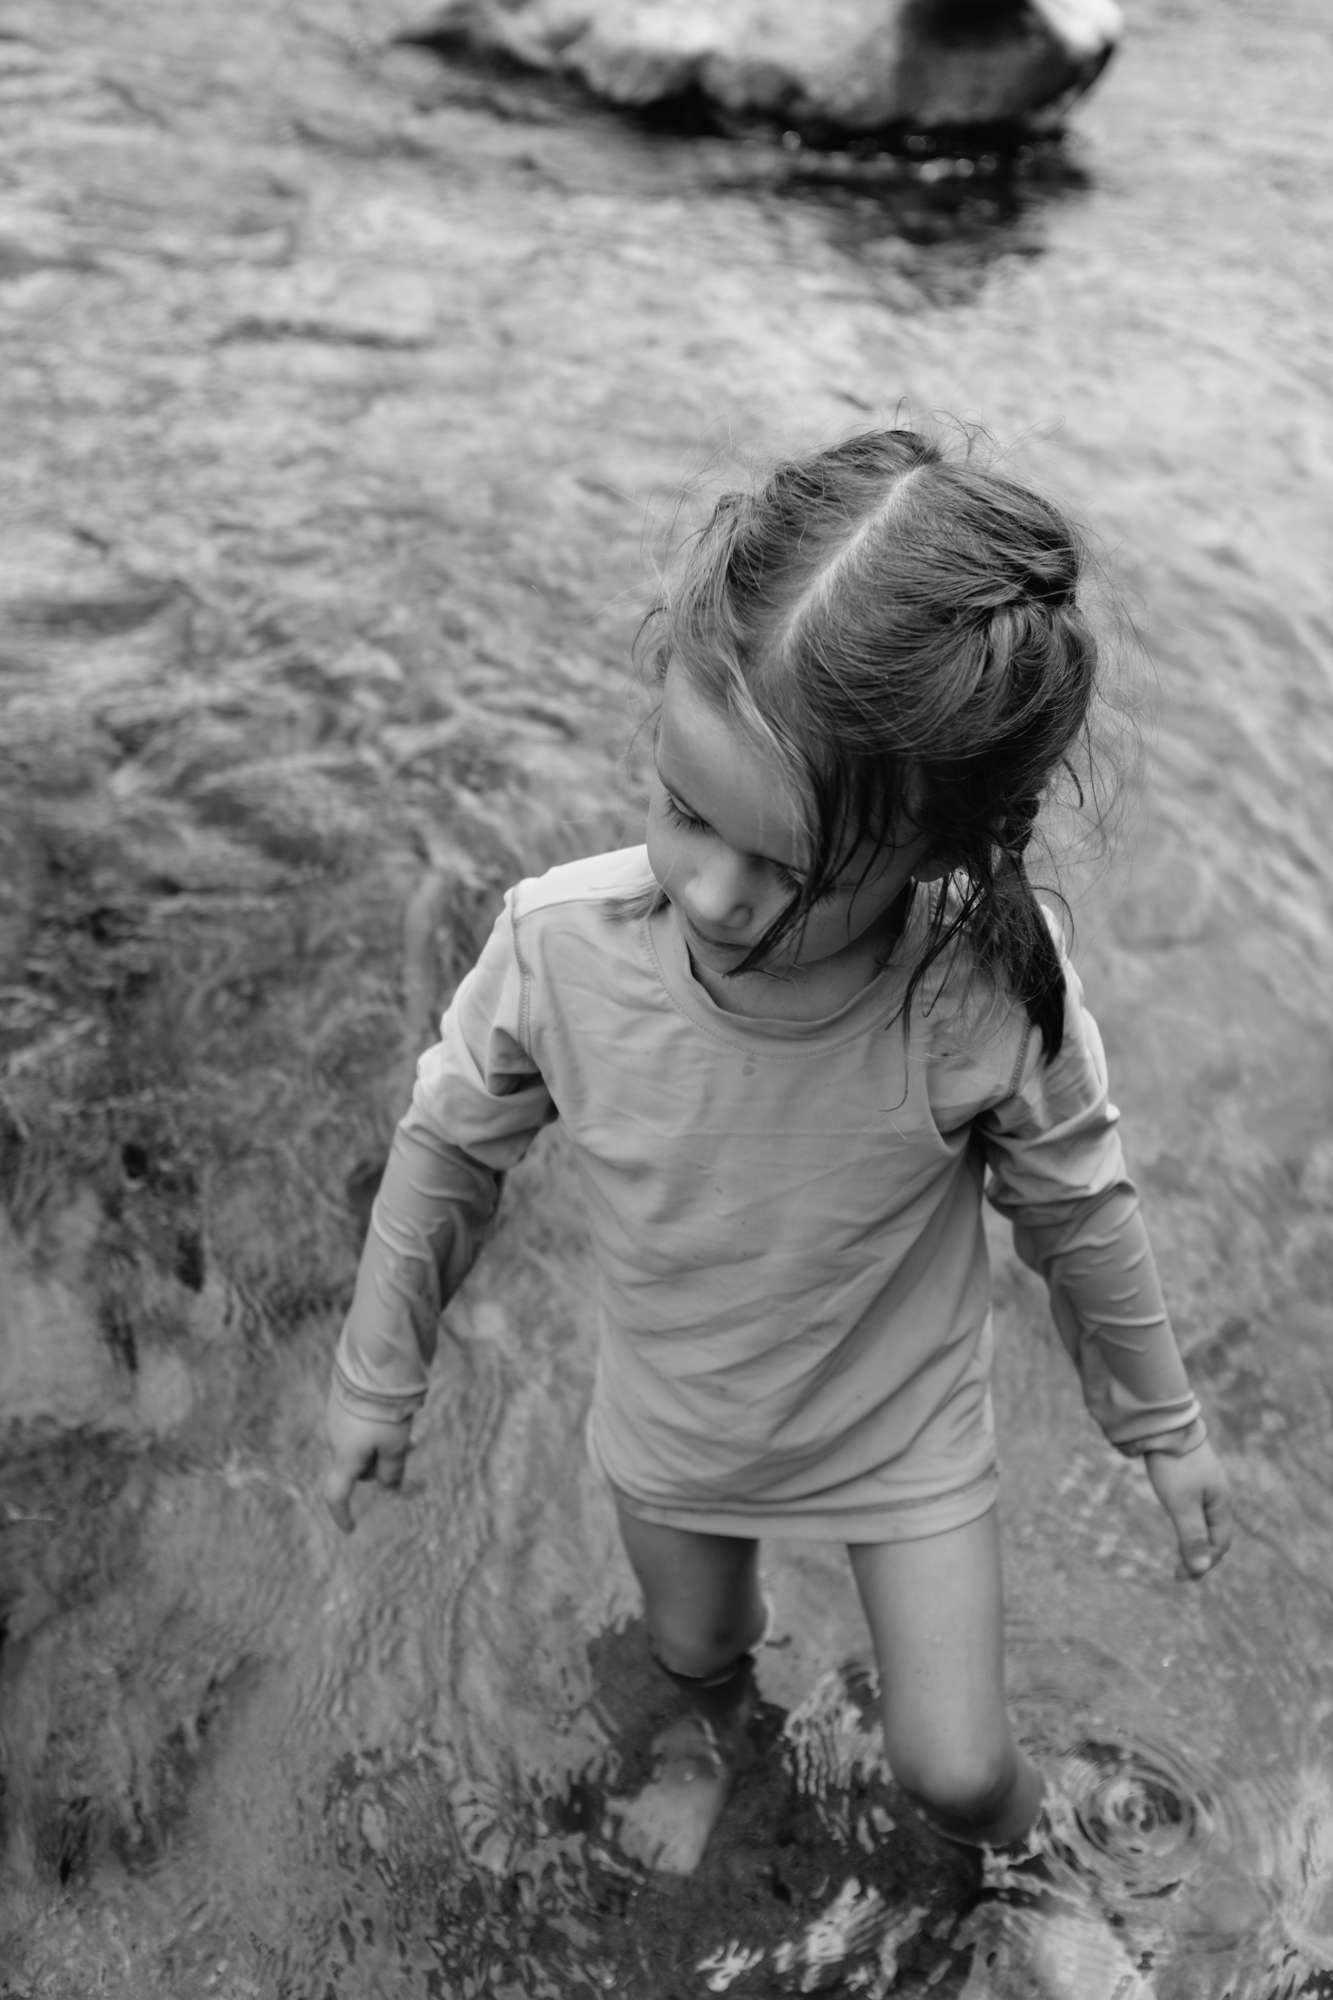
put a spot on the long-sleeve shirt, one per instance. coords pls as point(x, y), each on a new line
point(793, 1311)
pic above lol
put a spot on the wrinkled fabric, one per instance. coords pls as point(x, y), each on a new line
point(793, 1287)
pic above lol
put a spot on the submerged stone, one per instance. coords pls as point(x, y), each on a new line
point(847, 68)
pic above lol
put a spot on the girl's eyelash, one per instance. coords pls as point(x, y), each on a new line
point(825, 895)
point(677, 812)
point(793, 883)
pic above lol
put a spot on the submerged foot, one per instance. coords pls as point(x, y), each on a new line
point(666, 1826)
point(1045, 1927)
point(1077, 1956)
point(1050, 1954)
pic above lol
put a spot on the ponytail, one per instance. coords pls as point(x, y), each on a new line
point(1012, 933)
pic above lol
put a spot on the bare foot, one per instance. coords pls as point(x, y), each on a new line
point(1077, 1956)
point(1057, 1952)
point(666, 1825)
point(1051, 1923)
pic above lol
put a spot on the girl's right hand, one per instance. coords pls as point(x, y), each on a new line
point(362, 1448)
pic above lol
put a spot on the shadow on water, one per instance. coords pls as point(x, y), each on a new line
point(934, 191)
point(965, 197)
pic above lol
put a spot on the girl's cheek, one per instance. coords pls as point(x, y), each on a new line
point(660, 849)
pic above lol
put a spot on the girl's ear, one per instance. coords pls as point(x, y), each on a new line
point(933, 868)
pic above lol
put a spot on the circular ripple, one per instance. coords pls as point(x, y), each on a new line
point(1135, 1814)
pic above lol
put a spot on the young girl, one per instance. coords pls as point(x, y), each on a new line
point(793, 1038)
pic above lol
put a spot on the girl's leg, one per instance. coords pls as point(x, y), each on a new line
point(936, 1614)
point(700, 1593)
point(704, 1613)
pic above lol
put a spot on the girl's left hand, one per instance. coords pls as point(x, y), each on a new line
point(1196, 1493)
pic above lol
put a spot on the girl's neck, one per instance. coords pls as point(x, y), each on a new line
point(777, 997)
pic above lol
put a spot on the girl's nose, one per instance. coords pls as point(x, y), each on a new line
point(721, 894)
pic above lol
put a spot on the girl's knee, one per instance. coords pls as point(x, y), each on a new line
point(700, 1593)
point(965, 1788)
point(700, 1651)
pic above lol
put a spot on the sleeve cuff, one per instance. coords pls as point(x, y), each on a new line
point(1175, 1443)
point(394, 1407)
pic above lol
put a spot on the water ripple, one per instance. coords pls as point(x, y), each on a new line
point(1135, 1815)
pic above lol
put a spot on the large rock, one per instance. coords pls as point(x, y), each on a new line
point(822, 67)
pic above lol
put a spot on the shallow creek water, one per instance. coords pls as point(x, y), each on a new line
point(346, 400)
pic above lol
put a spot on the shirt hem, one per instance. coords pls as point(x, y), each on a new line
point(879, 1521)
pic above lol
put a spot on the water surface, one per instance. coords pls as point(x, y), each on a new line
point(347, 399)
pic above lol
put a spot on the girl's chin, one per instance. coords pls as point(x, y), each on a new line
point(713, 950)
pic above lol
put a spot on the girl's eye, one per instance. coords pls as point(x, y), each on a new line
point(677, 812)
point(793, 883)
point(797, 886)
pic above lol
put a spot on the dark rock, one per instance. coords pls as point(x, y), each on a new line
point(848, 68)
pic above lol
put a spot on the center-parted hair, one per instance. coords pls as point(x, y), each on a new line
point(900, 630)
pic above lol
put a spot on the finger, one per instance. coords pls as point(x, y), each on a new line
point(1197, 1553)
point(338, 1497)
point(390, 1466)
point(1197, 1558)
point(1195, 1542)
point(1218, 1514)
point(1195, 1565)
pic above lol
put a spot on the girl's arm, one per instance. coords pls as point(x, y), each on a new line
point(429, 1220)
point(426, 1227)
point(478, 1104)
point(1058, 1173)
point(1108, 1308)
point(1107, 1304)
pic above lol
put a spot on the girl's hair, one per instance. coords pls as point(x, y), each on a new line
point(900, 631)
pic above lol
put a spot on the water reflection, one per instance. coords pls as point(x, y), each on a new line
point(965, 201)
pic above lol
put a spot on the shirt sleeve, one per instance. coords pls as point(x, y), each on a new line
point(1057, 1172)
point(478, 1104)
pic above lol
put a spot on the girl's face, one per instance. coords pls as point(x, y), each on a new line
point(726, 844)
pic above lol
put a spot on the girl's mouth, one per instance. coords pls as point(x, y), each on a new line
point(695, 936)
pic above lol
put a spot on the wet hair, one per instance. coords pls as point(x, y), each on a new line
point(900, 630)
